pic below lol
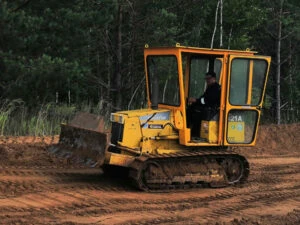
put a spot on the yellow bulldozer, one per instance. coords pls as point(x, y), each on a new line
point(154, 145)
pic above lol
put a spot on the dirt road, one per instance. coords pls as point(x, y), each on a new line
point(36, 188)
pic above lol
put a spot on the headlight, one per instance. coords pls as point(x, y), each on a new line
point(116, 118)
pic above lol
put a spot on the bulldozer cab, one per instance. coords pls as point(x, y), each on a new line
point(173, 74)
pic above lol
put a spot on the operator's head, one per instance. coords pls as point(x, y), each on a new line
point(210, 77)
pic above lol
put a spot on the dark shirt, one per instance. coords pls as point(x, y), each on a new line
point(211, 96)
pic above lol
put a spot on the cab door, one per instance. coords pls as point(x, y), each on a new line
point(247, 76)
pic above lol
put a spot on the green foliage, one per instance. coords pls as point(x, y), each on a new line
point(41, 79)
point(89, 53)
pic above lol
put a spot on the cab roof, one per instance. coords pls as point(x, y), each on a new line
point(190, 49)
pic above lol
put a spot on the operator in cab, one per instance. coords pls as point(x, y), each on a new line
point(206, 106)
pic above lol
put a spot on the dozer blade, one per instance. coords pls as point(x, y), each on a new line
point(83, 141)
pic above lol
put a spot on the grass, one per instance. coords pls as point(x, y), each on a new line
point(18, 120)
point(6, 109)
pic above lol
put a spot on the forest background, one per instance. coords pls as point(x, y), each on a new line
point(59, 56)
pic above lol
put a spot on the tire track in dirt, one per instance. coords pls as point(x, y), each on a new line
point(273, 174)
point(228, 207)
point(265, 198)
point(92, 208)
point(74, 204)
point(49, 192)
point(16, 182)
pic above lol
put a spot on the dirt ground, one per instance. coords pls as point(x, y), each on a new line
point(36, 188)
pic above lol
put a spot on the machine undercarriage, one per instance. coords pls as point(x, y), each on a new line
point(188, 170)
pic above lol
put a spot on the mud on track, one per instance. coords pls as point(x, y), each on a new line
point(36, 188)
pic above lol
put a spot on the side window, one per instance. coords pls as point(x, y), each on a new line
point(198, 68)
point(163, 79)
point(246, 82)
point(239, 81)
point(218, 68)
point(259, 74)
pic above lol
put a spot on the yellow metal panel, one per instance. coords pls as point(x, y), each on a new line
point(184, 136)
point(236, 132)
point(132, 134)
point(140, 112)
point(178, 118)
point(146, 145)
point(222, 81)
point(250, 79)
point(209, 131)
point(120, 160)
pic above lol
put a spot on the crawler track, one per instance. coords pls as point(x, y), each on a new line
point(188, 170)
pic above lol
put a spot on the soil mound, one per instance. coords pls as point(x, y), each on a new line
point(276, 140)
point(26, 151)
point(279, 137)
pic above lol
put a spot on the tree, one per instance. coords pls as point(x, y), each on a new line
point(282, 27)
point(92, 51)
